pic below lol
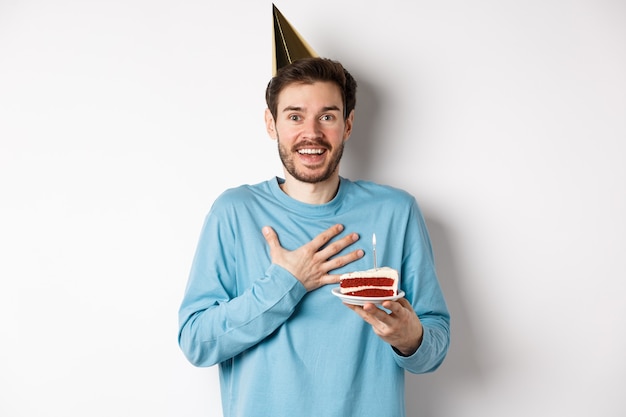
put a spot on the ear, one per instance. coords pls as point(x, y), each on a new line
point(270, 124)
point(349, 122)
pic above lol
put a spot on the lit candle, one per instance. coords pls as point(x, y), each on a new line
point(374, 246)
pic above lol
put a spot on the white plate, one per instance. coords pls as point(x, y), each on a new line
point(359, 301)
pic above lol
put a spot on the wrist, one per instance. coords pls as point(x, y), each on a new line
point(409, 349)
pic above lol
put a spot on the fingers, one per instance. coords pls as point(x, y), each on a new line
point(321, 247)
point(318, 241)
point(340, 261)
point(365, 315)
point(399, 306)
point(270, 235)
point(329, 279)
point(337, 246)
point(271, 238)
point(333, 248)
point(374, 315)
point(323, 238)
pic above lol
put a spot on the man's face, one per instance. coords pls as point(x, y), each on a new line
point(310, 130)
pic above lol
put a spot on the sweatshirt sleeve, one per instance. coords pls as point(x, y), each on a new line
point(218, 320)
point(420, 282)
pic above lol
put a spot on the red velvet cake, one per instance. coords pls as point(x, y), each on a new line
point(379, 282)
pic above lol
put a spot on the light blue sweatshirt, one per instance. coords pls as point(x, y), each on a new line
point(283, 351)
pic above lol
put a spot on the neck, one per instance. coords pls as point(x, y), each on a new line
point(318, 193)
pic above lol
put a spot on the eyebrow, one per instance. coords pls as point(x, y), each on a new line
point(324, 109)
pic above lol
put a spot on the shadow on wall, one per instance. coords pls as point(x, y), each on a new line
point(426, 392)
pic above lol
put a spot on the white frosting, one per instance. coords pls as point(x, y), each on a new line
point(384, 271)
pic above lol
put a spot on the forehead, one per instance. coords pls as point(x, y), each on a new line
point(316, 94)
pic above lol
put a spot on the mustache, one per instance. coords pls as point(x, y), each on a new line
point(311, 143)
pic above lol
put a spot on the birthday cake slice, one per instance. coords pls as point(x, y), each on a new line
point(378, 282)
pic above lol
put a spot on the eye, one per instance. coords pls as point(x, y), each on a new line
point(294, 117)
point(327, 117)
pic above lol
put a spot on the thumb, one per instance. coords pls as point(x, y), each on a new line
point(270, 236)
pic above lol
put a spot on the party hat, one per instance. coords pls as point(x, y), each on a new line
point(288, 44)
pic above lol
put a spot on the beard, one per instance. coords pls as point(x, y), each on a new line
point(287, 158)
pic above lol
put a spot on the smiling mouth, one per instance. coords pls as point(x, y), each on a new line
point(309, 151)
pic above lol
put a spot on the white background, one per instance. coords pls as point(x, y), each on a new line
point(121, 121)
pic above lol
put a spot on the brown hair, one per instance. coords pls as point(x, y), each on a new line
point(308, 71)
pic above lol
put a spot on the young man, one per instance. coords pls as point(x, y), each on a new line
point(258, 301)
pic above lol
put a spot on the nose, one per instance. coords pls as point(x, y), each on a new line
point(312, 128)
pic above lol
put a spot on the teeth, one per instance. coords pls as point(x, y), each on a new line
point(311, 151)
